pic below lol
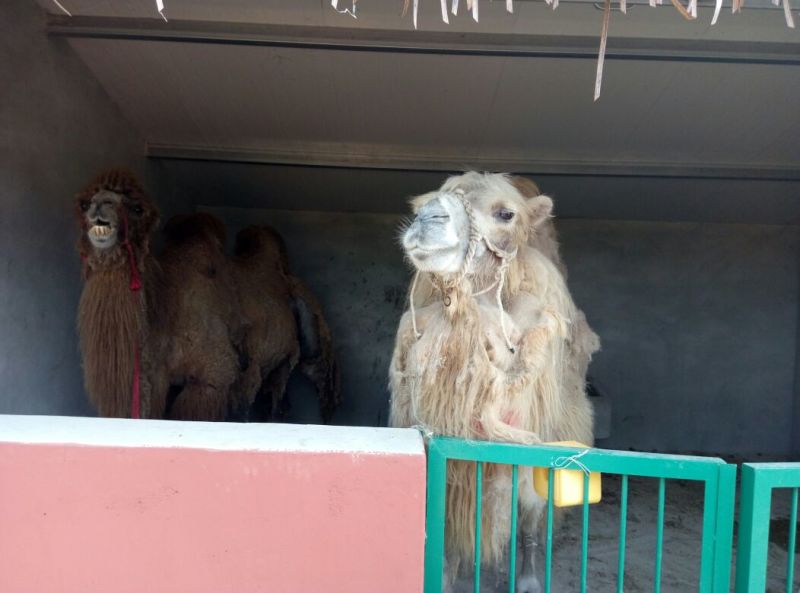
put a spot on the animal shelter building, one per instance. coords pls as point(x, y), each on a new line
point(272, 320)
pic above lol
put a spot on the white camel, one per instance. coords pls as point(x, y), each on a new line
point(492, 347)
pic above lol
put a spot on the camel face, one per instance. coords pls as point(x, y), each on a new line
point(437, 239)
point(112, 210)
point(101, 218)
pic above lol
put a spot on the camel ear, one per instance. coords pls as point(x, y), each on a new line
point(418, 202)
point(540, 208)
point(525, 186)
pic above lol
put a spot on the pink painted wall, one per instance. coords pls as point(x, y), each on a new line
point(83, 517)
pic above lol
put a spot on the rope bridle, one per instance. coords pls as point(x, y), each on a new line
point(475, 238)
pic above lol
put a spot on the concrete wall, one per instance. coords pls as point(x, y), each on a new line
point(698, 324)
point(58, 128)
point(208, 508)
point(698, 321)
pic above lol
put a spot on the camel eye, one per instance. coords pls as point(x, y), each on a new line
point(137, 210)
point(84, 205)
point(505, 214)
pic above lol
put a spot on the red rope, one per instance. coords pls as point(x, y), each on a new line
point(135, 286)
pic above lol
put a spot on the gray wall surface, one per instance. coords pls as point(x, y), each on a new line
point(598, 197)
point(58, 128)
point(698, 325)
point(698, 321)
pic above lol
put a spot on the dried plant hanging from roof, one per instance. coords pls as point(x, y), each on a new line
point(689, 12)
point(159, 8)
point(349, 11)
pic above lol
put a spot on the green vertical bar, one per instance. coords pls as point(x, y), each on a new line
point(723, 528)
point(623, 527)
point(585, 534)
point(434, 518)
point(792, 541)
point(512, 546)
point(710, 499)
point(754, 513)
point(478, 506)
point(548, 550)
point(659, 536)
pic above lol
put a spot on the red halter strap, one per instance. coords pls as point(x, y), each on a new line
point(135, 286)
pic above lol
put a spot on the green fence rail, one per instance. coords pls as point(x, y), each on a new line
point(758, 482)
point(718, 504)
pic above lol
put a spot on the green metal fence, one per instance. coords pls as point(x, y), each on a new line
point(718, 504)
point(758, 482)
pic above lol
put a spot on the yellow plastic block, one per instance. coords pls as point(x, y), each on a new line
point(568, 483)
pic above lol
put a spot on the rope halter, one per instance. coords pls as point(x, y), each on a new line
point(475, 237)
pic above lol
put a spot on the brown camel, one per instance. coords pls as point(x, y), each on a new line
point(286, 327)
point(186, 335)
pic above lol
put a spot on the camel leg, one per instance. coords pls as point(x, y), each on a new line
point(531, 532)
point(154, 402)
point(245, 391)
point(448, 576)
point(207, 394)
point(324, 375)
point(275, 385)
point(200, 401)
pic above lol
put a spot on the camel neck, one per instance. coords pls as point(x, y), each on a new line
point(111, 320)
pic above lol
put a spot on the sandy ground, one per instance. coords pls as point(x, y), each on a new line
point(682, 538)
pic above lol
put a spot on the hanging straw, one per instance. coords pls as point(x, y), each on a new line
point(684, 12)
point(61, 6)
point(601, 58)
point(349, 11)
point(787, 12)
point(160, 9)
point(717, 10)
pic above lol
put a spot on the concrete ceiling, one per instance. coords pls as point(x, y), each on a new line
point(292, 82)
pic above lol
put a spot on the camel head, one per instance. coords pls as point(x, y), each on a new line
point(114, 209)
point(472, 220)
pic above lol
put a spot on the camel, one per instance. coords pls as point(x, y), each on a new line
point(287, 325)
point(490, 352)
point(188, 334)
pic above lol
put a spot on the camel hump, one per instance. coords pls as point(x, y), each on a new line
point(184, 227)
point(259, 240)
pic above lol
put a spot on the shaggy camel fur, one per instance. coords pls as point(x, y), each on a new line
point(582, 341)
point(487, 354)
point(192, 320)
point(287, 327)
